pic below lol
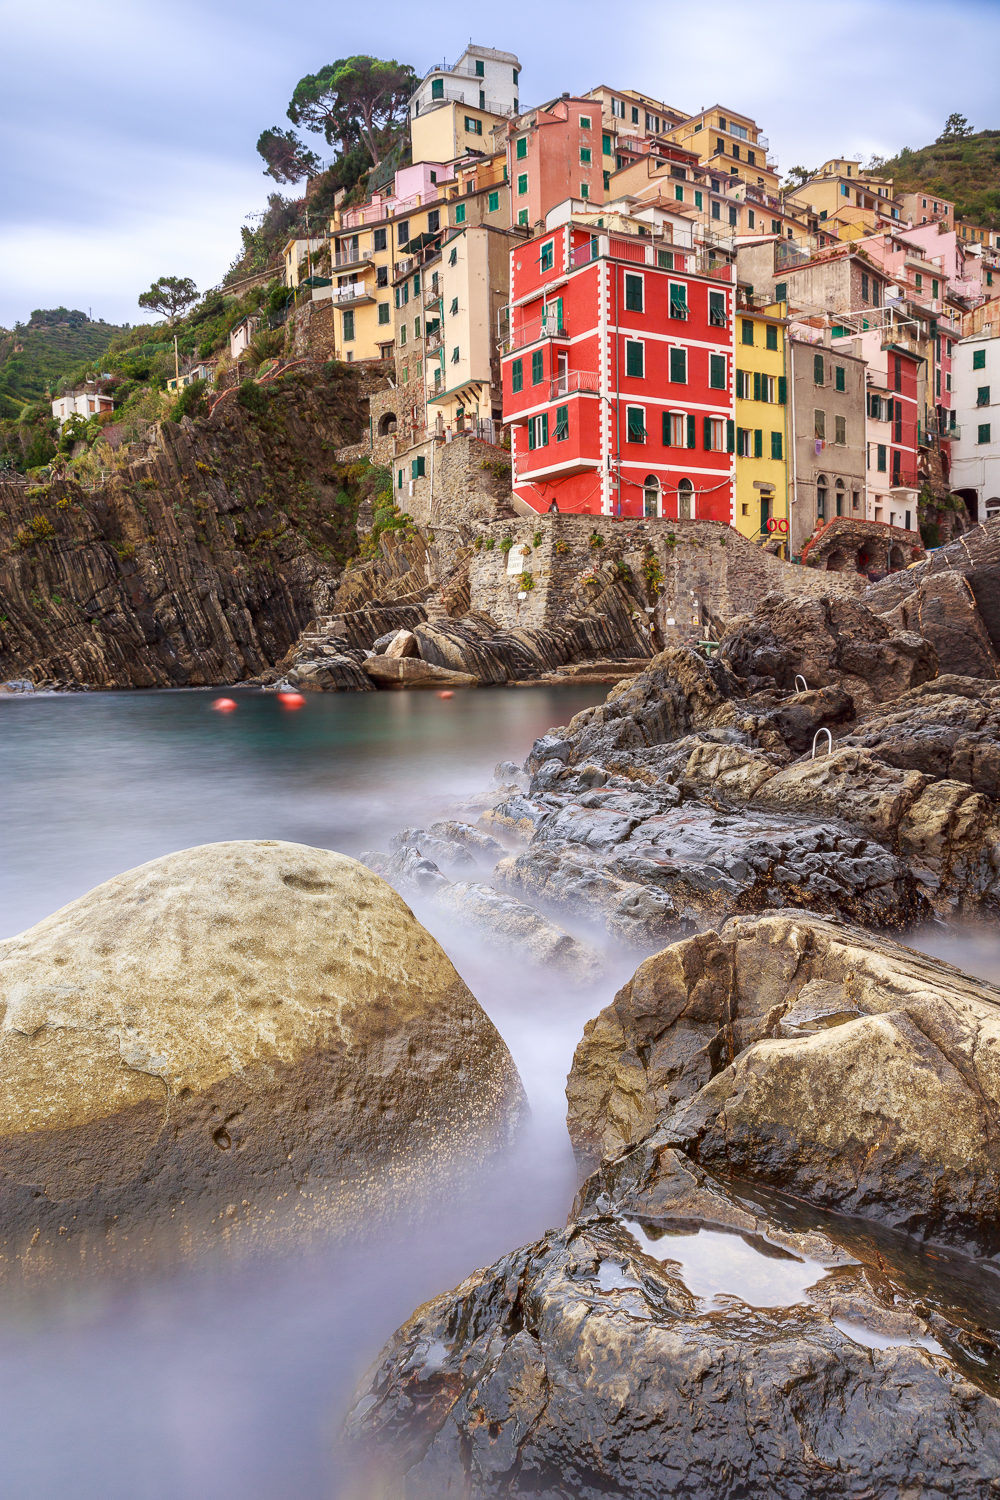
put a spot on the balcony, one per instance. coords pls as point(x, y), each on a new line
point(548, 328)
point(352, 295)
point(431, 296)
point(573, 381)
point(344, 259)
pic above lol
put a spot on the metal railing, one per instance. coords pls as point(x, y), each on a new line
point(355, 291)
point(548, 328)
point(573, 381)
point(352, 258)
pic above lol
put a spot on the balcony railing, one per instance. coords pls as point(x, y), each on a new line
point(549, 327)
point(345, 258)
point(432, 296)
point(573, 381)
point(350, 295)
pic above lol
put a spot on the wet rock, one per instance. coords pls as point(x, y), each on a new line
point(257, 1023)
point(442, 850)
point(481, 845)
point(330, 674)
point(462, 646)
point(828, 641)
point(513, 927)
point(801, 715)
point(952, 735)
point(816, 1059)
point(583, 1365)
point(518, 817)
point(411, 672)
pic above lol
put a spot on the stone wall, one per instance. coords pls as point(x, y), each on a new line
point(847, 544)
point(313, 333)
point(694, 573)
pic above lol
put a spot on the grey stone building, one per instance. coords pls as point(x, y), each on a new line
point(828, 435)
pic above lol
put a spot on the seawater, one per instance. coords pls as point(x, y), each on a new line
point(230, 1379)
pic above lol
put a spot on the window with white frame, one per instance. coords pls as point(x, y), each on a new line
point(635, 424)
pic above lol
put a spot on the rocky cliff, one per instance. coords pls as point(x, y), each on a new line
point(200, 559)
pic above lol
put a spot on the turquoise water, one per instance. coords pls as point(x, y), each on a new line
point(229, 1380)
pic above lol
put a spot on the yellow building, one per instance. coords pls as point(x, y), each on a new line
point(450, 129)
point(762, 424)
point(853, 202)
point(730, 145)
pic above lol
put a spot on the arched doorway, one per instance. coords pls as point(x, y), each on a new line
point(838, 496)
point(387, 423)
point(896, 560)
point(836, 562)
point(651, 496)
point(971, 498)
point(685, 500)
point(821, 494)
point(993, 508)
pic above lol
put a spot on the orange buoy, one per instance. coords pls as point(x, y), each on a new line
point(224, 705)
point(292, 700)
point(446, 693)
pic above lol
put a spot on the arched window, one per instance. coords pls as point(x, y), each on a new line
point(821, 497)
point(839, 496)
point(651, 496)
point(685, 500)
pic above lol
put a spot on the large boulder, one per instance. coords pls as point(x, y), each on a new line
point(817, 1059)
point(942, 608)
point(260, 1030)
point(827, 641)
point(411, 672)
point(594, 1364)
point(948, 729)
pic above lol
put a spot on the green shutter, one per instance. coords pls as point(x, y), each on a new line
point(776, 445)
point(747, 330)
point(517, 375)
point(521, 149)
point(633, 293)
point(840, 381)
point(782, 390)
point(740, 385)
point(562, 423)
point(758, 443)
point(781, 291)
point(771, 336)
point(536, 367)
point(708, 434)
point(634, 362)
point(692, 430)
point(493, 203)
point(413, 469)
point(817, 369)
point(756, 385)
point(666, 429)
point(460, 214)
point(606, 145)
point(531, 433)
point(545, 429)
point(730, 437)
point(717, 372)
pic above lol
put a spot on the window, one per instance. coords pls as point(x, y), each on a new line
point(678, 300)
point(480, 69)
point(521, 147)
point(984, 432)
point(618, 108)
point(437, 88)
point(674, 430)
point(770, 336)
point(897, 373)
point(453, 257)
point(733, 217)
point(379, 239)
point(752, 158)
point(934, 287)
point(678, 366)
point(758, 443)
point(919, 281)
point(699, 199)
point(839, 497)
point(819, 424)
point(522, 185)
point(403, 231)
point(821, 498)
point(717, 372)
point(383, 312)
point(537, 367)
point(736, 152)
point(586, 156)
point(716, 209)
point(635, 364)
point(517, 375)
point(717, 309)
point(650, 495)
point(880, 458)
point(751, 219)
point(979, 359)
point(747, 330)
point(562, 423)
point(635, 116)
point(453, 309)
point(744, 442)
point(679, 193)
point(584, 189)
point(514, 71)
point(840, 430)
point(606, 145)
point(460, 214)
point(493, 203)
point(434, 221)
point(840, 378)
point(665, 260)
point(607, 181)
point(633, 293)
point(418, 468)
point(864, 287)
point(399, 479)
point(818, 377)
point(635, 424)
point(522, 218)
point(845, 191)
point(547, 258)
point(776, 448)
point(714, 435)
point(402, 333)
point(538, 431)
point(982, 395)
point(348, 327)
point(473, 126)
point(584, 122)
point(381, 275)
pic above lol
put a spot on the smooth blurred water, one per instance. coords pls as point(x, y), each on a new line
point(231, 1379)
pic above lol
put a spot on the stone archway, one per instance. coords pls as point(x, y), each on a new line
point(387, 424)
point(896, 559)
point(837, 561)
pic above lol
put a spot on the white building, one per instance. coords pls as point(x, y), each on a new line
point(481, 79)
point(975, 383)
point(84, 403)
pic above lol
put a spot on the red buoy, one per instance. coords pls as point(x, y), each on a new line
point(292, 700)
point(446, 693)
point(224, 705)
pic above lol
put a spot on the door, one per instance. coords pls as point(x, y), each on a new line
point(562, 372)
point(684, 500)
point(765, 512)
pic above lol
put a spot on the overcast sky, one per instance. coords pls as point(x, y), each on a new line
point(129, 129)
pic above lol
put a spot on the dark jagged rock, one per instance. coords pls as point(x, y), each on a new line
point(952, 732)
point(829, 641)
point(812, 1058)
point(583, 1366)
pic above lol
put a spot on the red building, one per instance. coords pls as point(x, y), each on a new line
point(618, 375)
point(903, 368)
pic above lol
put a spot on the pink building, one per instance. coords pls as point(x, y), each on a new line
point(555, 153)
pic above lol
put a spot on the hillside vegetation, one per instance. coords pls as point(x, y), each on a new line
point(36, 354)
point(967, 172)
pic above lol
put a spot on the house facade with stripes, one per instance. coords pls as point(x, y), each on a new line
point(618, 370)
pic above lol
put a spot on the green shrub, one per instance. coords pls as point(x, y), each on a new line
point(191, 401)
point(251, 397)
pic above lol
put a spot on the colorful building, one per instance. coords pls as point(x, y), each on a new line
point(976, 450)
point(554, 153)
point(827, 387)
point(895, 405)
point(762, 510)
point(618, 372)
point(857, 202)
point(483, 79)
